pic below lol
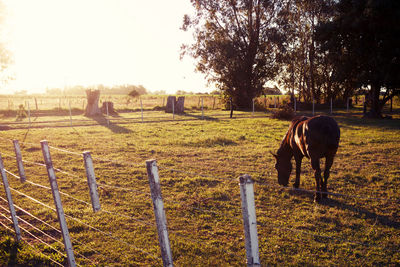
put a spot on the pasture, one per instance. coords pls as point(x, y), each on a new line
point(199, 163)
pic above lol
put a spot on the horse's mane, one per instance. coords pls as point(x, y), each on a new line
point(286, 139)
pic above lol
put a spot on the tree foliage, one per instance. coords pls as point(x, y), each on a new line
point(5, 55)
point(236, 45)
point(363, 42)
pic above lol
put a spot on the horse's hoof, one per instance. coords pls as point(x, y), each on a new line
point(317, 199)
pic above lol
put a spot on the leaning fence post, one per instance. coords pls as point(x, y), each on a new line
point(20, 165)
point(10, 201)
point(58, 203)
point(249, 220)
point(91, 180)
point(158, 205)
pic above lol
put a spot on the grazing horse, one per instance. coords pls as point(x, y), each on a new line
point(313, 138)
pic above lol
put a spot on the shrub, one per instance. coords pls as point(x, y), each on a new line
point(285, 113)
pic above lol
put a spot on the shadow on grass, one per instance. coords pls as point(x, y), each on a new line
point(9, 250)
point(199, 116)
point(115, 128)
point(340, 204)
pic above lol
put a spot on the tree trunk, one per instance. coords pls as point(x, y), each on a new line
point(92, 107)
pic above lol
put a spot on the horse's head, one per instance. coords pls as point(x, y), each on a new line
point(284, 167)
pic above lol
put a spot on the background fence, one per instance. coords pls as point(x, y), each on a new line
point(219, 217)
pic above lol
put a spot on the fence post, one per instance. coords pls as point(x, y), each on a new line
point(331, 106)
point(249, 220)
point(202, 108)
point(58, 203)
point(10, 201)
point(108, 121)
point(141, 108)
point(70, 112)
point(20, 165)
point(253, 107)
point(29, 114)
point(158, 205)
point(91, 180)
point(173, 109)
point(347, 104)
point(295, 104)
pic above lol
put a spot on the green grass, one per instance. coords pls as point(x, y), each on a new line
point(200, 161)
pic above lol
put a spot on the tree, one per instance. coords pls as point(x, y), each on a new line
point(5, 56)
point(134, 93)
point(363, 39)
point(236, 45)
point(302, 65)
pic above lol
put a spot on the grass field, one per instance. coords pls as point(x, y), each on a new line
point(200, 161)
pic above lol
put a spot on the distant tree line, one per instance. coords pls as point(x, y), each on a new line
point(316, 49)
point(105, 90)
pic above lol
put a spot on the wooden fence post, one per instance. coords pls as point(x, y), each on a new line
point(10, 201)
point(141, 108)
point(249, 220)
point(58, 203)
point(70, 112)
point(173, 109)
point(29, 114)
point(158, 205)
point(253, 107)
point(202, 108)
point(20, 164)
point(331, 106)
point(91, 180)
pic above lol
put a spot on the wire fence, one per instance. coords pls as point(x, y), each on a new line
point(178, 206)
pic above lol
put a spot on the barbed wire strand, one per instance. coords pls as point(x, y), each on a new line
point(40, 252)
point(54, 239)
point(5, 226)
point(122, 188)
point(33, 199)
point(199, 174)
point(111, 236)
point(49, 188)
point(35, 237)
point(328, 193)
point(55, 229)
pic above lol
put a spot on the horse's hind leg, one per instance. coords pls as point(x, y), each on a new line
point(318, 178)
point(328, 165)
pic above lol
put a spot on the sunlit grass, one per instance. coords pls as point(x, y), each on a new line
point(200, 161)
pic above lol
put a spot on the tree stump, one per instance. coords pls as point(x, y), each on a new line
point(92, 107)
point(180, 105)
point(170, 104)
point(108, 106)
point(176, 106)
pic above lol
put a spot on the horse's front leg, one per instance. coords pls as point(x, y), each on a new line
point(298, 160)
point(318, 178)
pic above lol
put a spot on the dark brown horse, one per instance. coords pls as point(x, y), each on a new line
point(314, 138)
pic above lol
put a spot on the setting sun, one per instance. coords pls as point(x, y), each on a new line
point(63, 43)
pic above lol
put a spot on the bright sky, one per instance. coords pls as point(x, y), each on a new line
point(59, 43)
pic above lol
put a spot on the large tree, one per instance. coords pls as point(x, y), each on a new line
point(235, 45)
point(304, 68)
point(363, 41)
point(5, 56)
